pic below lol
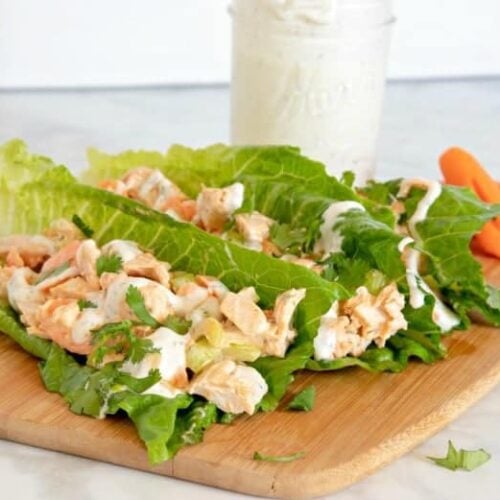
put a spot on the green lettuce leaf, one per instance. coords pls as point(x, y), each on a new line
point(444, 238)
point(191, 425)
point(462, 459)
point(304, 400)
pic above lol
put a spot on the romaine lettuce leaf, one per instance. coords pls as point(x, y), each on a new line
point(444, 238)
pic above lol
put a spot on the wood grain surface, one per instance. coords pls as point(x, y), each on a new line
point(361, 421)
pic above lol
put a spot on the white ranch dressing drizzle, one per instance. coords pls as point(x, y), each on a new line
point(331, 239)
point(326, 338)
point(442, 315)
point(170, 361)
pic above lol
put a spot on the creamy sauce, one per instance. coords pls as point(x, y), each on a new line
point(89, 320)
point(234, 196)
point(433, 192)
point(331, 239)
point(170, 361)
point(326, 338)
point(441, 315)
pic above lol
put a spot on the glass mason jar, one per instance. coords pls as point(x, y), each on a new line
point(311, 73)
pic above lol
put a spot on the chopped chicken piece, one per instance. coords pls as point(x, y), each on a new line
point(115, 186)
point(179, 207)
point(277, 340)
point(14, 259)
point(304, 262)
point(189, 297)
point(55, 319)
point(86, 262)
point(215, 206)
point(24, 297)
point(152, 188)
point(65, 255)
point(89, 320)
point(74, 288)
point(209, 308)
point(126, 250)
point(233, 388)
point(214, 286)
point(62, 231)
point(57, 278)
point(380, 316)
point(254, 227)
point(33, 250)
point(241, 309)
point(146, 266)
point(350, 327)
point(159, 301)
point(338, 336)
point(170, 361)
point(5, 275)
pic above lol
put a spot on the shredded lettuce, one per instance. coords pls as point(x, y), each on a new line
point(304, 400)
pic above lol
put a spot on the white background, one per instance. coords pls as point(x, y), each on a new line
point(77, 43)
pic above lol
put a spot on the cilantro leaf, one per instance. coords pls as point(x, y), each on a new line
point(287, 238)
point(304, 400)
point(178, 325)
point(135, 301)
point(80, 224)
point(462, 459)
point(119, 339)
point(85, 304)
point(108, 264)
point(279, 458)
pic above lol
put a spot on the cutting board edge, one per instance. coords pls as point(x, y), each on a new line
point(328, 481)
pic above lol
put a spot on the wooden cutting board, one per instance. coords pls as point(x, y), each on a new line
point(361, 421)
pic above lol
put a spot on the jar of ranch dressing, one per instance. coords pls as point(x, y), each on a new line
point(311, 73)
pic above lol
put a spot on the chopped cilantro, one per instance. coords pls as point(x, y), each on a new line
point(118, 338)
point(108, 264)
point(86, 304)
point(135, 301)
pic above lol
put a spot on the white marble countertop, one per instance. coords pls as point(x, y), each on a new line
point(421, 119)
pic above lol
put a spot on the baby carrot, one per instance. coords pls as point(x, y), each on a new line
point(460, 168)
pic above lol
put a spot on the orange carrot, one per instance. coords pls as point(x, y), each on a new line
point(460, 168)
